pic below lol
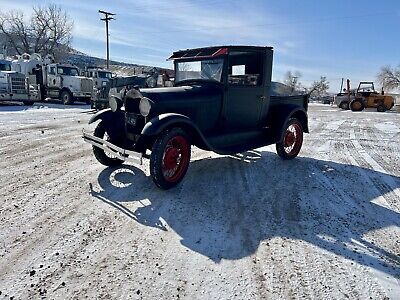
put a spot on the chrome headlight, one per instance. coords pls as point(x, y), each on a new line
point(115, 103)
point(144, 106)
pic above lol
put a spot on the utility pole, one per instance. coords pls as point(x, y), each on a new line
point(106, 19)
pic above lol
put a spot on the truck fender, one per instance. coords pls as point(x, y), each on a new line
point(105, 114)
point(164, 121)
point(113, 121)
point(285, 113)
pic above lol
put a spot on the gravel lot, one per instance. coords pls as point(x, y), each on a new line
point(250, 226)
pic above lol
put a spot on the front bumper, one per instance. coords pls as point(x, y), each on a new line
point(120, 153)
point(82, 94)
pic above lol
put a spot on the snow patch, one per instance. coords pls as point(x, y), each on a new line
point(387, 127)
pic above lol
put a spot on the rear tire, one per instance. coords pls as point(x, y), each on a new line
point(99, 153)
point(170, 158)
point(357, 105)
point(66, 98)
point(292, 141)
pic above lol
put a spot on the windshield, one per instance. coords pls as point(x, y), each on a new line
point(104, 74)
point(199, 70)
point(69, 71)
point(5, 67)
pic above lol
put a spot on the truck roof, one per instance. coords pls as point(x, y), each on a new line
point(213, 51)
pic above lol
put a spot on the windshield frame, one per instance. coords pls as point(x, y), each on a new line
point(68, 67)
point(222, 79)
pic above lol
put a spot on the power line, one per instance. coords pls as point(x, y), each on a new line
point(106, 19)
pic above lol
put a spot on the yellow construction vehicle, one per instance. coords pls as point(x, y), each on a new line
point(367, 97)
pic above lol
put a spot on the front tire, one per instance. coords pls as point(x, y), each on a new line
point(99, 153)
point(66, 98)
point(170, 158)
point(292, 141)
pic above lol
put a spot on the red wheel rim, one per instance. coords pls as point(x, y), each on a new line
point(293, 139)
point(175, 158)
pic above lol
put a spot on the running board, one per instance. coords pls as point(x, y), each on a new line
point(120, 153)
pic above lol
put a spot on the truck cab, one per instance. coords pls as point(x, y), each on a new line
point(15, 86)
point(5, 67)
point(64, 82)
point(221, 102)
point(100, 76)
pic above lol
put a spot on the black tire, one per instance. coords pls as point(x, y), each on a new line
point(344, 105)
point(172, 140)
point(287, 149)
point(28, 103)
point(66, 98)
point(99, 153)
point(381, 108)
point(357, 105)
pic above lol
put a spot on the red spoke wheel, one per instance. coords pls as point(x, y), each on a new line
point(170, 158)
point(292, 141)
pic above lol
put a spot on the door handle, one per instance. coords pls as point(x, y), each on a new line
point(262, 97)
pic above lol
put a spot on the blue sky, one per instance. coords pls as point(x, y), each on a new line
point(332, 38)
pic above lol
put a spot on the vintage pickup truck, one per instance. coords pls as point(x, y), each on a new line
point(221, 102)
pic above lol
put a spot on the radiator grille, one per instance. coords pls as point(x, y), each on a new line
point(18, 83)
point(87, 85)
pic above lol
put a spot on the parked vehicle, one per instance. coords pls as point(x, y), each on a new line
point(367, 97)
point(117, 86)
point(15, 86)
point(100, 76)
point(57, 81)
point(221, 102)
point(364, 97)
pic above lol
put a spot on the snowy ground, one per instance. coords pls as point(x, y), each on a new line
point(250, 226)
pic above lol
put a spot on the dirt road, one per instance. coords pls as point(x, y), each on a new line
point(250, 226)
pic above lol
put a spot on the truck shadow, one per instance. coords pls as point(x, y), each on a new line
point(227, 206)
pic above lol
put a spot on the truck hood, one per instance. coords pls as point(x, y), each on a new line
point(187, 100)
point(77, 83)
point(194, 93)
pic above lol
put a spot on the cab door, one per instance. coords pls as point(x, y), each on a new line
point(53, 80)
point(245, 93)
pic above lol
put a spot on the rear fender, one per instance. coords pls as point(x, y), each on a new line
point(165, 121)
point(114, 122)
point(284, 114)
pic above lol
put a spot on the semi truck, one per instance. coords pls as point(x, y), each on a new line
point(16, 86)
point(56, 81)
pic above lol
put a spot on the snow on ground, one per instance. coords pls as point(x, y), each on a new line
point(248, 226)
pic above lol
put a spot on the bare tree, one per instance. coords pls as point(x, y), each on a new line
point(319, 88)
point(292, 80)
point(48, 31)
point(389, 77)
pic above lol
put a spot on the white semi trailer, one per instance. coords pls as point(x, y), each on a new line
point(56, 81)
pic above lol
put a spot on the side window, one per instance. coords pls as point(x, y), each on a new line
point(52, 71)
point(245, 69)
